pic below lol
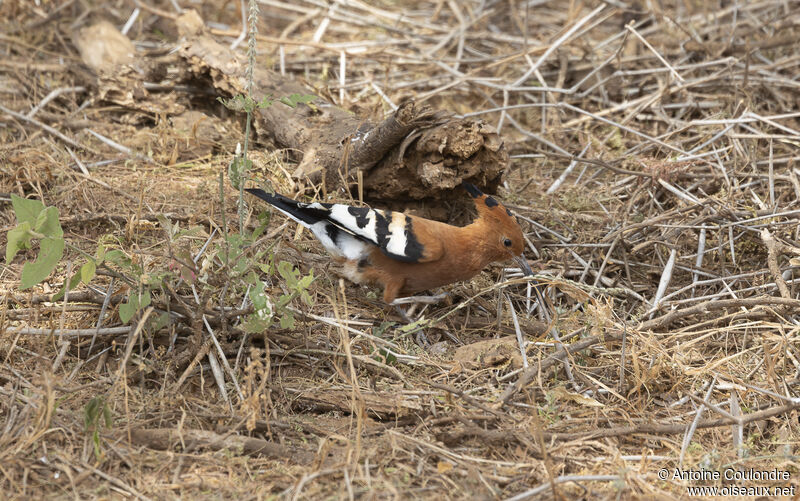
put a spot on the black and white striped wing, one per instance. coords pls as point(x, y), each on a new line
point(344, 229)
point(392, 231)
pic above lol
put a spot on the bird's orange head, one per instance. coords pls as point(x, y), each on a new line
point(502, 234)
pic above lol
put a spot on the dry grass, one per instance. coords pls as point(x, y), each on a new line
point(654, 154)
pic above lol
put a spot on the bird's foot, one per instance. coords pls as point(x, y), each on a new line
point(403, 315)
point(406, 316)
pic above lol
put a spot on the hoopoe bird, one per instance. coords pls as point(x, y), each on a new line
point(404, 253)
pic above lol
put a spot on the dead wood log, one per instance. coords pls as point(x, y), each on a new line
point(118, 75)
point(416, 153)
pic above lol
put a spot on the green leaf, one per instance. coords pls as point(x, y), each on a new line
point(118, 257)
point(98, 453)
point(107, 415)
point(283, 300)
point(252, 279)
point(261, 318)
point(256, 325)
point(287, 320)
point(259, 255)
point(258, 297)
point(47, 223)
point(187, 274)
point(305, 281)
point(385, 356)
point(100, 256)
point(263, 224)
point(50, 252)
point(237, 166)
point(144, 300)
point(293, 100)
point(87, 271)
point(266, 101)
point(415, 326)
point(237, 103)
point(241, 265)
point(91, 412)
point(289, 274)
point(191, 231)
point(126, 312)
point(135, 303)
point(26, 209)
point(73, 282)
point(159, 322)
point(18, 238)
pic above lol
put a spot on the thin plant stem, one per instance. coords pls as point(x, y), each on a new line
point(251, 63)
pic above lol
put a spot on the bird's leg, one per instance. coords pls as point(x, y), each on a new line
point(415, 301)
point(390, 291)
point(390, 296)
point(403, 315)
point(420, 338)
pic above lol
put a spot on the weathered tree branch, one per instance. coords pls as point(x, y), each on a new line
point(415, 153)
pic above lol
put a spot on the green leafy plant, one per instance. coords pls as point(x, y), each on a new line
point(136, 301)
point(87, 271)
point(231, 267)
point(294, 99)
point(265, 312)
point(237, 171)
point(97, 415)
point(549, 411)
point(35, 221)
point(240, 165)
point(40, 223)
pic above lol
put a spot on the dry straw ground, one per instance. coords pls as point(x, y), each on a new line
point(654, 149)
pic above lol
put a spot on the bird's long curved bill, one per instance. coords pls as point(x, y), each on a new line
point(523, 265)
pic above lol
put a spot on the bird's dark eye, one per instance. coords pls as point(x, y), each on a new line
point(507, 242)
